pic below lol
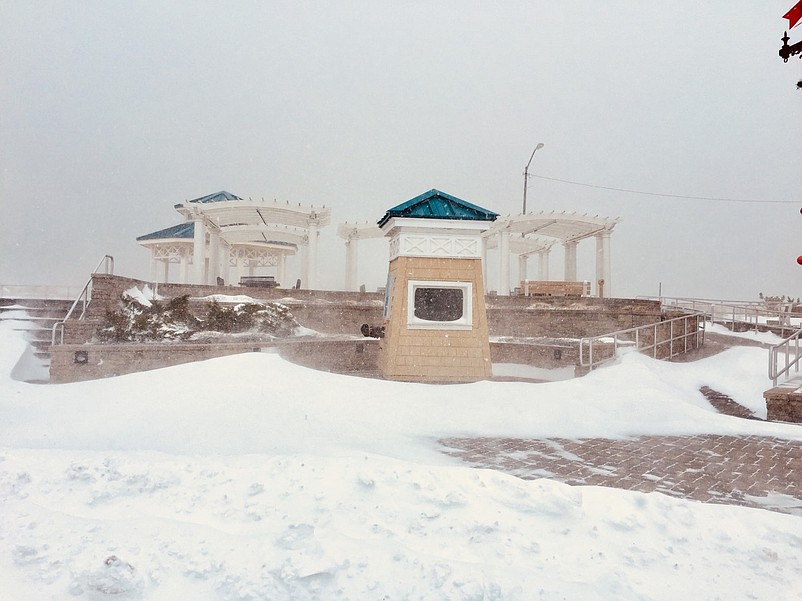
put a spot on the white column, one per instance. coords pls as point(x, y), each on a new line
point(311, 257)
point(523, 261)
point(351, 259)
point(281, 270)
point(570, 261)
point(238, 265)
point(304, 263)
point(166, 270)
point(504, 263)
point(543, 264)
point(484, 262)
point(154, 266)
point(226, 258)
point(214, 256)
point(603, 263)
point(185, 266)
point(199, 251)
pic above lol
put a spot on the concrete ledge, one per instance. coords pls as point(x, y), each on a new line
point(784, 402)
point(79, 362)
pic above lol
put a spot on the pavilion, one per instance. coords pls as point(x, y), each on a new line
point(222, 232)
point(532, 234)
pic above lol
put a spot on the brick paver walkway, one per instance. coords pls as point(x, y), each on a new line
point(753, 471)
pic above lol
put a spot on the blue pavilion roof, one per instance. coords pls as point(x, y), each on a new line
point(187, 230)
point(216, 197)
point(182, 230)
point(438, 205)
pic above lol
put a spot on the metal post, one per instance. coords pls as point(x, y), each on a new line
point(526, 173)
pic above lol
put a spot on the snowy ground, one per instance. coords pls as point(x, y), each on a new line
point(246, 477)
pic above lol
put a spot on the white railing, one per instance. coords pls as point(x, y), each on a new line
point(84, 298)
point(751, 313)
point(23, 291)
point(789, 350)
point(665, 339)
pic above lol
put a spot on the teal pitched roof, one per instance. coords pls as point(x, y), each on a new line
point(182, 230)
point(187, 230)
point(438, 205)
point(216, 197)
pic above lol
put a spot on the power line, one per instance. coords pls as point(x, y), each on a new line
point(750, 200)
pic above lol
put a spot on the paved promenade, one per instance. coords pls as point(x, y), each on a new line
point(752, 471)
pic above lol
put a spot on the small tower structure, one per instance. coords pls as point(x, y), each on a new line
point(435, 323)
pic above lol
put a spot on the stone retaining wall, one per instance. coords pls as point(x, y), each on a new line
point(342, 313)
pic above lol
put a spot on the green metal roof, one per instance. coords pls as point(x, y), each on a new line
point(216, 197)
point(187, 231)
point(182, 230)
point(438, 205)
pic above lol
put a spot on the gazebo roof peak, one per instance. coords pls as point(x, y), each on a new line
point(221, 196)
point(435, 204)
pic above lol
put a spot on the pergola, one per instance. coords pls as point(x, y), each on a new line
point(222, 231)
point(510, 232)
point(533, 234)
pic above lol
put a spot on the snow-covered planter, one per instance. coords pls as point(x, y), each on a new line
point(141, 319)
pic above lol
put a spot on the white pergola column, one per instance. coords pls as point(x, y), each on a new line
point(570, 261)
point(304, 261)
point(351, 259)
point(239, 264)
point(603, 264)
point(311, 256)
point(523, 263)
point(504, 263)
point(184, 266)
point(154, 266)
point(484, 261)
point(226, 260)
point(214, 256)
point(199, 251)
point(281, 270)
point(543, 264)
point(166, 271)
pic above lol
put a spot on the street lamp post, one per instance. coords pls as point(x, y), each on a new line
point(526, 172)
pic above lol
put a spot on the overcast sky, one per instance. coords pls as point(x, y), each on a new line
point(112, 112)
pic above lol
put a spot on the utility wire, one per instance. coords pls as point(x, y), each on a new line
point(749, 200)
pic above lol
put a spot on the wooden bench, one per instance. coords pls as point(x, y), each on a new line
point(258, 281)
point(554, 288)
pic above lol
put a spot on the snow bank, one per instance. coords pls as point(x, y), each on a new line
point(366, 527)
point(246, 478)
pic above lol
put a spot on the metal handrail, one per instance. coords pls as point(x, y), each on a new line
point(637, 338)
point(785, 348)
point(748, 312)
point(107, 262)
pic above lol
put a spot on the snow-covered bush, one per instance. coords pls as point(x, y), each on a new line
point(173, 319)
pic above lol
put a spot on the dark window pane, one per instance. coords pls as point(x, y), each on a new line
point(438, 304)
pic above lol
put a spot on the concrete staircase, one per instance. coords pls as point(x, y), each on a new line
point(35, 319)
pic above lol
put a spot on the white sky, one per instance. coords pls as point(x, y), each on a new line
point(112, 112)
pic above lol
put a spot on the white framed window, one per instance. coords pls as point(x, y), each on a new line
point(439, 305)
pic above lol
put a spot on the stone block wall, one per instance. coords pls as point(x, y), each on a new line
point(784, 402)
point(342, 313)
